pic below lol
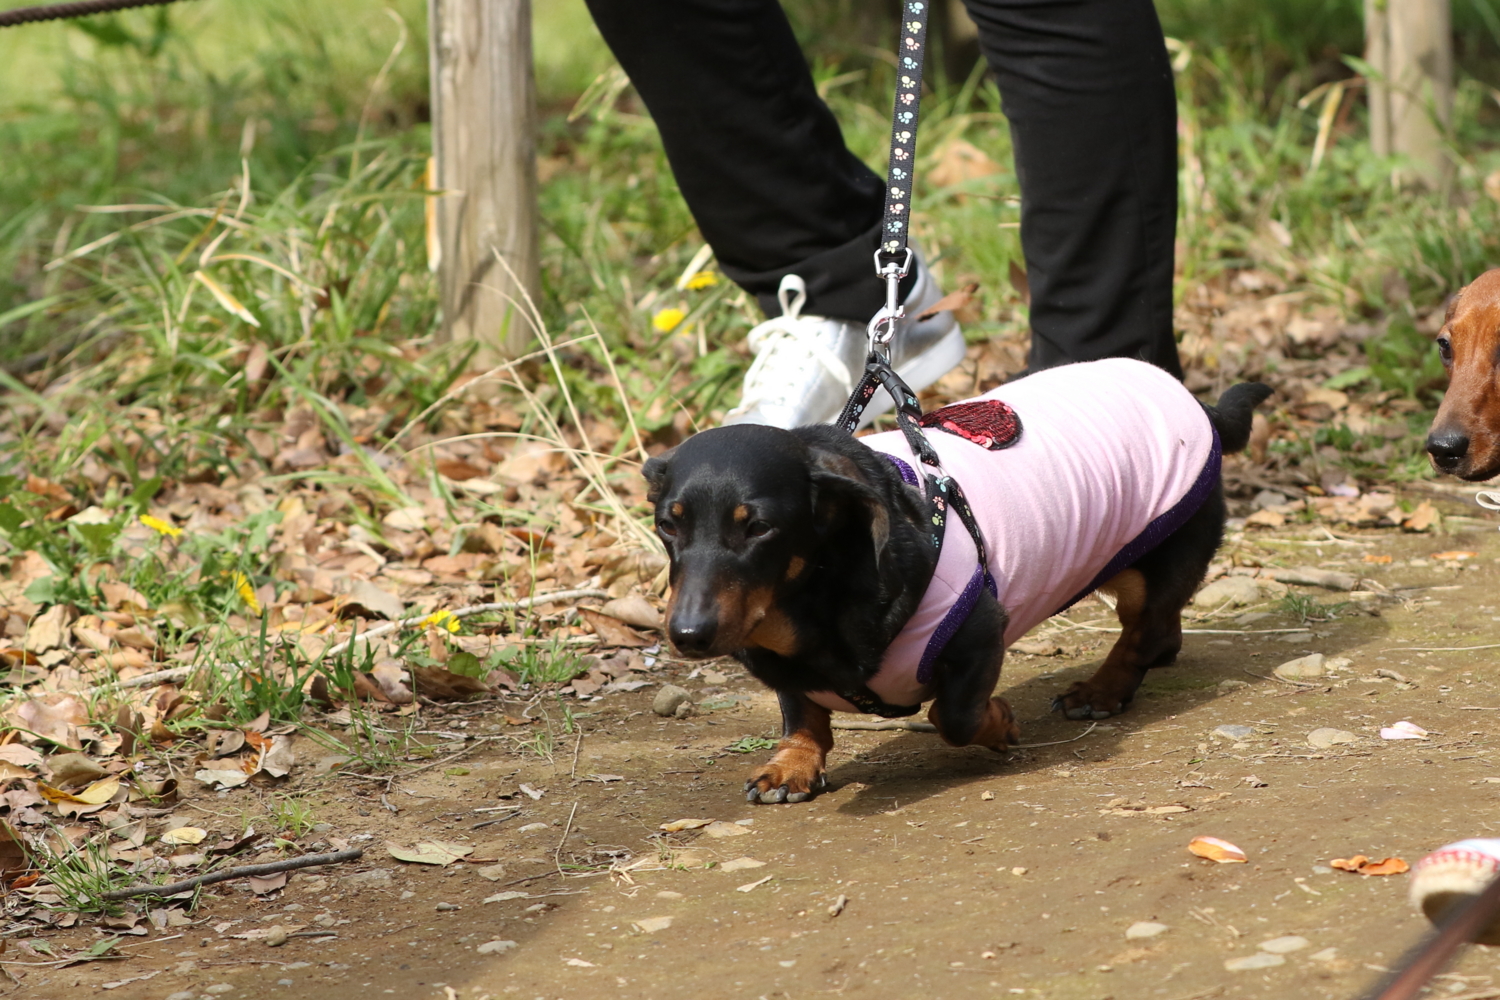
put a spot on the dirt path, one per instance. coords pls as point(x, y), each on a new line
point(965, 873)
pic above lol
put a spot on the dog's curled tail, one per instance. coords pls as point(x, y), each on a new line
point(1234, 412)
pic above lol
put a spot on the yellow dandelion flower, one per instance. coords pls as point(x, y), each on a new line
point(161, 527)
point(247, 593)
point(666, 320)
point(703, 279)
point(442, 619)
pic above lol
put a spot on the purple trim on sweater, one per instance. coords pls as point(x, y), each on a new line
point(1158, 530)
point(1153, 535)
point(956, 616)
point(908, 474)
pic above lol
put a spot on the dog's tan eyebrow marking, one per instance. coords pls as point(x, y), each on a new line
point(676, 509)
point(741, 514)
point(795, 567)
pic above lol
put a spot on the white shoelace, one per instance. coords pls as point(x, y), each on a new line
point(782, 344)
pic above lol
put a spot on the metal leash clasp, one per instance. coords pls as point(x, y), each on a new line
point(882, 327)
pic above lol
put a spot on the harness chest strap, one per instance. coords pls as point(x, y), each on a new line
point(941, 491)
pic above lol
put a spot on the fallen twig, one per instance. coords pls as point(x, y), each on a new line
point(1072, 739)
point(557, 854)
point(1188, 631)
point(1282, 680)
point(910, 725)
point(243, 871)
point(913, 726)
point(1438, 649)
point(468, 612)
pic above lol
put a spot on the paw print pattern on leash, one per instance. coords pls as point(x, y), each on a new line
point(903, 127)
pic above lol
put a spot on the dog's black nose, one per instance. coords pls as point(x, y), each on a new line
point(1447, 448)
point(693, 635)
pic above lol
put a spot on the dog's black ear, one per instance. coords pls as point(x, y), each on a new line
point(840, 491)
point(655, 470)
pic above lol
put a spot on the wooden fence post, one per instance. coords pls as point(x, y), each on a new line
point(484, 151)
point(1410, 44)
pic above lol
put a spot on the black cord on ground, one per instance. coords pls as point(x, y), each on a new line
point(62, 11)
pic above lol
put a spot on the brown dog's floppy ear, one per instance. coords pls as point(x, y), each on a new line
point(655, 471)
point(839, 488)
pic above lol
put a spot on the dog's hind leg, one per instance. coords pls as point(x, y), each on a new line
point(795, 772)
point(1150, 597)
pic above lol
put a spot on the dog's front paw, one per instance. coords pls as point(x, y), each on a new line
point(1085, 701)
point(795, 774)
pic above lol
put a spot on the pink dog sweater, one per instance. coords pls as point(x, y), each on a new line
point(1113, 457)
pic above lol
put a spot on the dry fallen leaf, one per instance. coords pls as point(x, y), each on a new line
point(1361, 865)
point(752, 886)
point(278, 759)
point(429, 852)
point(53, 717)
point(222, 778)
point(1381, 560)
point(20, 755)
point(70, 768)
point(739, 864)
point(678, 825)
point(1218, 850)
point(1456, 555)
point(1403, 730)
point(650, 925)
point(262, 884)
point(612, 631)
point(184, 835)
point(1421, 519)
point(721, 829)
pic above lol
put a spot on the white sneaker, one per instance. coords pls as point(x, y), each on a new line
point(805, 367)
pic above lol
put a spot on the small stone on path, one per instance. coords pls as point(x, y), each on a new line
point(1230, 684)
point(1261, 960)
point(1235, 733)
point(446, 906)
point(1144, 929)
point(1322, 739)
point(1284, 945)
point(1236, 590)
point(670, 700)
point(1326, 955)
point(495, 947)
point(1302, 668)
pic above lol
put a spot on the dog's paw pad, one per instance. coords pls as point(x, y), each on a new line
point(1080, 702)
point(787, 777)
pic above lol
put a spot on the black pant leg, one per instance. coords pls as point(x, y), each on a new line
point(1087, 87)
point(759, 157)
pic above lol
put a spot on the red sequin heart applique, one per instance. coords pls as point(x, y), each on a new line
point(988, 423)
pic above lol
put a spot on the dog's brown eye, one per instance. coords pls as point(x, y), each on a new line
point(758, 528)
point(1445, 349)
point(667, 528)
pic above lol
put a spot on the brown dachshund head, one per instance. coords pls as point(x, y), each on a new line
point(742, 511)
point(1465, 436)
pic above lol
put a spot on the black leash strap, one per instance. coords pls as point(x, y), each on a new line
point(898, 186)
point(894, 258)
point(893, 262)
point(63, 11)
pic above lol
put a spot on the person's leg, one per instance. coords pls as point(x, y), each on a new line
point(757, 154)
point(1087, 87)
point(793, 216)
